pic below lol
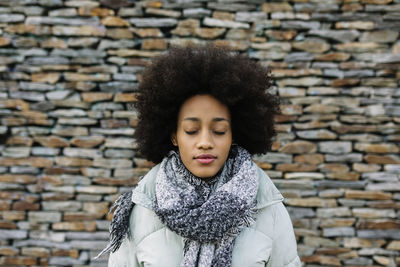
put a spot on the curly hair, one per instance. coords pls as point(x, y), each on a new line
point(235, 80)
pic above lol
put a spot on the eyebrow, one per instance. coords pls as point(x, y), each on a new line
point(197, 119)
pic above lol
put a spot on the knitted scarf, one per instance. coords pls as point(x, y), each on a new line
point(208, 215)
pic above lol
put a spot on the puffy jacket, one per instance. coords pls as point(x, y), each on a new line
point(270, 241)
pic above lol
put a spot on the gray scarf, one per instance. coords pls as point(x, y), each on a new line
point(208, 215)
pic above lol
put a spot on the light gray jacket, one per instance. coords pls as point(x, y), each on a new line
point(269, 242)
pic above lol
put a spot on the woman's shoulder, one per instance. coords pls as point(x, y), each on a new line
point(267, 193)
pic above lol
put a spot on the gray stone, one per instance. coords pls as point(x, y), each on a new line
point(333, 212)
point(299, 213)
point(359, 73)
point(392, 168)
point(338, 231)
point(392, 110)
point(382, 8)
point(93, 21)
point(31, 96)
point(16, 152)
point(337, 35)
point(293, 184)
point(68, 261)
point(77, 121)
point(10, 18)
point(61, 205)
point(13, 234)
point(299, 56)
point(225, 23)
point(120, 131)
point(230, 7)
point(339, 184)
point(130, 12)
point(384, 36)
point(47, 61)
point(334, 147)
point(58, 95)
point(28, 10)
point(8, 186)
point(63, 12)
point(82, 152)
point(300, 25)
point(87, 236)
point(119, 153)
point(68, 179)
point(350, 157)
point(87, 197)
point(22, 169)
point(361, 261)
point(377, 251)
point(107, 44)
point(395, 186)
point(352, 202)
point(107, 106)
point(42, 243)
point(378, 57)
point(47, 235)
point(333, 73)
point(196, 12)
point(78, 53)
point(44, 216)
point(154, 22)
point(251, 16)
point(267, 55)
point(273, 157)
point(96, 172)
point(124, 77)
point(82, 42)
point(36, 86)
point(45, 151)
point(381, 176)
point(115, 87)
point(68, 113)
point(317, 134)
point(377, 233)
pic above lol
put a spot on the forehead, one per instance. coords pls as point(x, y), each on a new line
point(203, 107)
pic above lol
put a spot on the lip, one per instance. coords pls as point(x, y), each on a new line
point(205, 158)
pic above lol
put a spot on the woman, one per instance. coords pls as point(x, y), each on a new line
point(202, 113)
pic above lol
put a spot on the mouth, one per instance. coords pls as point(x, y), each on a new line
point(205, 158)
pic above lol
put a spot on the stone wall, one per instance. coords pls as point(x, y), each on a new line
point(69, 72)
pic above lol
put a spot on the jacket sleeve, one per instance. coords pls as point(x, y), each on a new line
point(284, 247)
point(125, 256)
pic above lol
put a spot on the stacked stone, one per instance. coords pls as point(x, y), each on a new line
point(69, 72)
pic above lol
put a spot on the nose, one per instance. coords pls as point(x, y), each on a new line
point(205, 141)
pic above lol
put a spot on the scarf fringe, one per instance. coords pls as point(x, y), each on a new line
point(119, 227)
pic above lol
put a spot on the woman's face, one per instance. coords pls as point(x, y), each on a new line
point(203, 135)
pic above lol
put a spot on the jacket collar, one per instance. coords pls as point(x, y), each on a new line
point(143, 194)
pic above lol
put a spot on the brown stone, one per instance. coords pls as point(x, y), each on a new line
point(240, 45)
point(98, 209)
point(344, 82)
point(337, 222)
point(49, 77)
point(281, 35)
point(384, 204)
point(296, 167)
point(355, 242)
point(35, 252)
point(342, 129)
point(358, 194)
point(352, 7)
point(154, 4)
point(376, 2)
point(73, 76)
point(320, 259)
point(183, 31)
point(331, 251)
point(54, 42)
point(78, 216)
point(4, 41)
point(295, 72)
point(313, 159)
point(310, 125)
point(6, 225)
point(87, 226)
point(23, 205)
point(15, 104)
point(8, 251)
point(393, 245)
point(114, 21)
point(377, 148)
point(19, 140)
point(360, 25)
point(73, 162)
point(147, 32)
point(31, 161)
point(377, 159)
point(209, 33)
point(310, 202)
point(163, 12)
point(28, 28)
point(18, 178)
point(95, 11)
point(87, 141)
point(378, 224)
point(125, 97)
point(333, 167)
point(359, 47)
point(113, 181)
point(276, 7)
point(312, 46)
point(51, 141)
point(333, 56)
point(5, 204)
point(154, 44)
point(132, 53)
point(10, 121)
point(19, 261)
point(320, 108)
point(86, 30)
point(72, 253)
point(345, 176)
point(223, 15)
point(362, 167)
point(96, 96)
point(299, 147)
point(291, 109)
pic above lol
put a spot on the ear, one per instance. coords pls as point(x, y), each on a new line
point(173, 139)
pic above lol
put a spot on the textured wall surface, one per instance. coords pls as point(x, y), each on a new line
point(68, 75)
